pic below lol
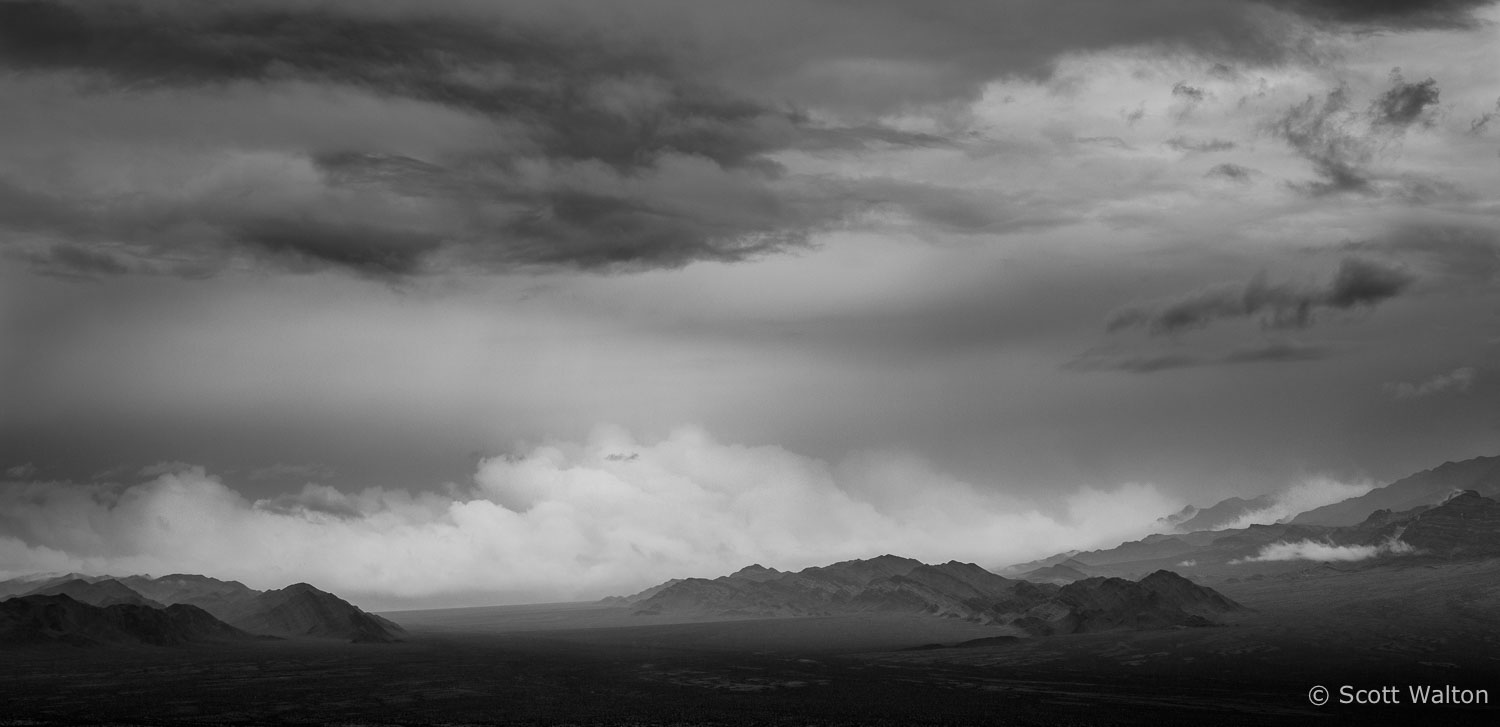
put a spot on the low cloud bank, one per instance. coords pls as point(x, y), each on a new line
point(1457, 380)
point(1326, 552)
point(561, 521)
point(1311, 493)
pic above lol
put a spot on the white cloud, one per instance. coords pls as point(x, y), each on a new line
point(21, 471)
point(1313, 492)
point(1457, 380)
point(1325, 552)
point(561, 521)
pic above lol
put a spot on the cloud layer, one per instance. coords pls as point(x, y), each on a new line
point(1311, 493)
point(1356, 283)
point(1458, 380)
point(559, 521)
point(392, 139)
point(1327, 552)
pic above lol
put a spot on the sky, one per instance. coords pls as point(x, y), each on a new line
point(461, 302)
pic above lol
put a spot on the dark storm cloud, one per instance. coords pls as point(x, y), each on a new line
point(70, 260)
point(1341, 143)
point(1405, 103)
point(566, 226)
point(364, 249)
point(957, 210)
point(1192, 94)
point(1200, 146)
point(1394, 14)
point(1356, 283)
point(1276, 352)
point(614, 137)
point(1478, 125)
point(1231, 171)
point(578, 101)
point(1455, 252)
point(867, 136)
point(1150, 363)
point(1314, 130)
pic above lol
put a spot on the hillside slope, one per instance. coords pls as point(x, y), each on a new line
point(53, 619)
point(1429, 487)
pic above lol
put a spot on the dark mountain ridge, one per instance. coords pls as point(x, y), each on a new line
point(1428, 487)
point(297, 611)
point(101, 592)
point(890, 584)
point(60, 619)
point(1464, 527)
point(302, 610)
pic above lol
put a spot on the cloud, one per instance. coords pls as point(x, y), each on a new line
point(1459, 252)
point(1313, 492)
point(1457, 380)
point(1276, 352)
point(522, 135)
point(22, 471)
point(283, 471)
point(1325, 552)
point(1318, 132)
point(1193, 94)
point(1477, 126)
point(165, 468)
point(1200, 146)
point(560, 151)
point(1342, 143)
point(1232, 172)
point(1269, 352)
point(1405, 104)
point(1357, 283)
point(557, 521)
point(1389, 14)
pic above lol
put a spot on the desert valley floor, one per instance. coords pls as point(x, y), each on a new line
point(594, 664)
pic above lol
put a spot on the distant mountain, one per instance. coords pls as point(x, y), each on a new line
point(757, 572)
point(641, 596)
point(102, 592)
point(1429, 487)
point(1160, 600)
point(1465, 526)
point(298, 611)
point(1169, 523)
point(890, 584)
point(210, 594)
point(49, 619)
point(1219, 515)
point(1224, 513)
point(302, 610)
point(28, 583)
point(1061, 574)
point(1016, 569)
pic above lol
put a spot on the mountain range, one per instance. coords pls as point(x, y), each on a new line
point(892, 584)
point(1463, 527)
point(1429, 487)
point(59, 618)
point(179, 608)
